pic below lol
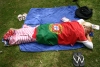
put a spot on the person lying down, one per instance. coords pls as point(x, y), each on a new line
point(65, 33)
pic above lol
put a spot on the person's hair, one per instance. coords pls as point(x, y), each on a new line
point(88, 26)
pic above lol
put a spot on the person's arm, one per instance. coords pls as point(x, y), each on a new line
point(64, 19)
point(87, 43)
point(80, 21)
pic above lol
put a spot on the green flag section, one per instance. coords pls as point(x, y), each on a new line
point(45, 35)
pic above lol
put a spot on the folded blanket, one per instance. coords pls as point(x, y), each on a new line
point(38, 16)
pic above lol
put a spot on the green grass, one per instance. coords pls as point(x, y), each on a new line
point(13, 57)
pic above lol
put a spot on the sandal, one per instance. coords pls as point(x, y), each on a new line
point(24, 16)
point(20, 17)
point(76, 59)
point(81, 59)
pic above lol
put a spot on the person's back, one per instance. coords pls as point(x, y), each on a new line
point(72, 32)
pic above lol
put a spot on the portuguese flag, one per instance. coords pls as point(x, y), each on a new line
point(64, 33)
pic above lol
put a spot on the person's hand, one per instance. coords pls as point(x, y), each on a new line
point(64, 19)
point(88, 38)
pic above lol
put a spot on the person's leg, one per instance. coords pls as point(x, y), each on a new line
point(23, 35)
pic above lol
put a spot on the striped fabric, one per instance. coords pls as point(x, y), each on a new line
point(22, 35)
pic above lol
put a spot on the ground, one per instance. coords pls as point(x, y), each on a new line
point(13, 57)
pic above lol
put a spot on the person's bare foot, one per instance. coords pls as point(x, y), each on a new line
point(9, 33)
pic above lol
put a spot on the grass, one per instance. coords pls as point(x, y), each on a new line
point(13, 57)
